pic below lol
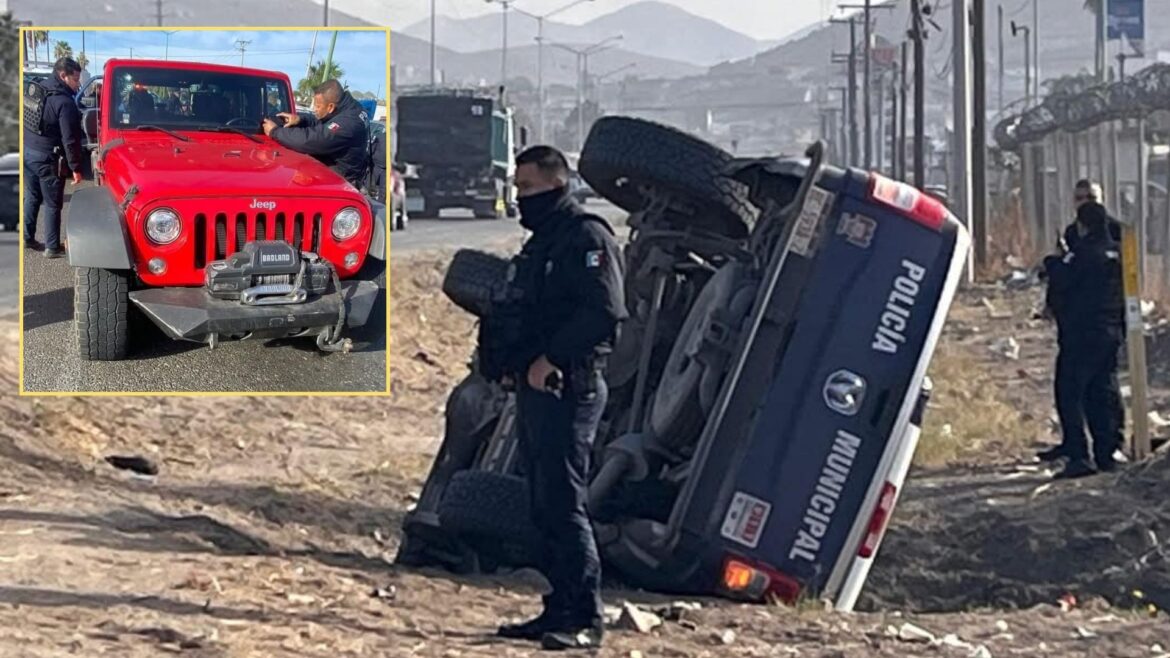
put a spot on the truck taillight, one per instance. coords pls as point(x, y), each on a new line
point(755, 581)
point(877, 522)
point(908, 200)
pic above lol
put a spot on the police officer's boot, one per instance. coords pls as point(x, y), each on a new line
point(580, 638)
point(535, 628)
point(1076, 468)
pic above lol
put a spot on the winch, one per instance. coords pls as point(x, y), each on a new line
point(268, 272)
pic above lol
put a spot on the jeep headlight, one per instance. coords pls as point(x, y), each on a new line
point(163, 226)
point(346, 223)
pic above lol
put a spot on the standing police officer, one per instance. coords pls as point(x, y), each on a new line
point(52, 133)
point(571, 272)
point(336, 136)
point(1086, 297)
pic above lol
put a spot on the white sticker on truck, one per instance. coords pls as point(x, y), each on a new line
point(806, 225)
point(745, 519)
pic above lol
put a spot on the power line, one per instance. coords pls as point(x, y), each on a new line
point(242, 45)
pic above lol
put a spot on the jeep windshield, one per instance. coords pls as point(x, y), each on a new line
point(183, 99)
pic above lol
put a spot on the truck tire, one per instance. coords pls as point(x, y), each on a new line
point(676, 415)
point(623, 153)
point(101, 313)
point(473, 279)
point(490, 511)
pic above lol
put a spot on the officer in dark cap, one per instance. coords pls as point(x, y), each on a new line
point(336, 135)
point(1087, 300)
point(52, 151)
point(571, 272)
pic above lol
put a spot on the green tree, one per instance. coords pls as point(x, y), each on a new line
point(305, 86)
point(62, 49)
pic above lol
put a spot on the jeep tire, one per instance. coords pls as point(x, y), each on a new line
point(622, 154)
point(490, 511)
point(473, 279)
point(101, 313)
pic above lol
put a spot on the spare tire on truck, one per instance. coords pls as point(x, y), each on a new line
point(623, 154)
point(474, 279)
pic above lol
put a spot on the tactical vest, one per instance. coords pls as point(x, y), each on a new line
point(36, 97)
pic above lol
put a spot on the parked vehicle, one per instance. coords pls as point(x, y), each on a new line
point(463, 146)
point(206, 226)
point(765, 396)
point(9, 191)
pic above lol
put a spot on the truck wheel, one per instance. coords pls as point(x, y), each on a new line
point(491, 512)
point(488, 211)
point(676, 415)
point(474, 278)
point(101, 311)
point(623, 154)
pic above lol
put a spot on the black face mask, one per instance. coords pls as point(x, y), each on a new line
point(535, 209)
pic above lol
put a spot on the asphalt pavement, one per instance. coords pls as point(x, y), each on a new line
point(159, 364)
point(457, 230)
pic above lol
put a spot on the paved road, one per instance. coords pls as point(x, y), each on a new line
point(160, 364)
point(9, 271)
point(461, 230)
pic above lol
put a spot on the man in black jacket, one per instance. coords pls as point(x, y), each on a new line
point(573, 300)
point(52, 134)
point(1085, 293)
point(336, 137)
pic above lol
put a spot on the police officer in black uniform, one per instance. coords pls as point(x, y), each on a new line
point(337, 136)
point(52, 141)
point(571, 271)
point(1086, 297)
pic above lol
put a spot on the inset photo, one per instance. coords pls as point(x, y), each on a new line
point(203, 210)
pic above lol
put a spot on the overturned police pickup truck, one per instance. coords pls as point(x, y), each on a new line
point(207, 227)
point(766, 394)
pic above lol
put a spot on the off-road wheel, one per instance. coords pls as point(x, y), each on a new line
point(473, 279)
point(622, 155)
point(490, 512)
point(101, 313)
point(676, 415)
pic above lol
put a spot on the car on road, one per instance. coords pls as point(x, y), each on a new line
point(9, 191)
point(766, 394)
point(206, 226)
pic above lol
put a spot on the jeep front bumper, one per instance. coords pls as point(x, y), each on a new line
point(192, 314)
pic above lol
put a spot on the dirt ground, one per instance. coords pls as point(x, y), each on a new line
point(270, 527)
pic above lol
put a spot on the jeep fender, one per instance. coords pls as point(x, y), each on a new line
point(378, 235)
point(96, 231)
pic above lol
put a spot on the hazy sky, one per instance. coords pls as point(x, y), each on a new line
point(762, 19)
point(356, 52)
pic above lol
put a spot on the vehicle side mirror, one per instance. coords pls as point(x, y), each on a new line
point(88, 101)
point(91, 122)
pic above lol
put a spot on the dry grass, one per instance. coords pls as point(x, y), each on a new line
point(968, 418)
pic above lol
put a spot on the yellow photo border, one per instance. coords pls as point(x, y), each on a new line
point(20, 278)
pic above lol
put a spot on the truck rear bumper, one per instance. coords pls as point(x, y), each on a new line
point(192, 314)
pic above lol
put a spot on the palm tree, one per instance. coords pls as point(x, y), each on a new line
point(82, 60)
point(62, 49)
point(39, 37)
point(316, 77)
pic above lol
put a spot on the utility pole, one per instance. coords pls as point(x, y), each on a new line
point(979, 137)
point(158, 11)
point(999, 42)
point(582, 66)
point(540, 55)
point(851, 97)
point(325, 21)
point(880, 146)
point(918, 34)
point(865, 89)
point(312, 51)
point(432, 44)
point(241, 46)
point(166, 51)
point(902, 117)
point(328, 68)
point(1017, 29)
point(961, 33)
point(1036, 48)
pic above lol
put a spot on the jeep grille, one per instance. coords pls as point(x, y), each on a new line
point(220, 235)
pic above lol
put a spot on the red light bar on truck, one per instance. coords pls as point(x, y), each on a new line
point(908, 200)
point(877, 522)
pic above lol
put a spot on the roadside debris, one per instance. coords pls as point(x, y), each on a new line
point(135, 464)
point(388, 593)
point(1007, 347)
point(634, 618)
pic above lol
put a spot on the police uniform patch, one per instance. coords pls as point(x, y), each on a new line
point(333, 127)
point(594, 258)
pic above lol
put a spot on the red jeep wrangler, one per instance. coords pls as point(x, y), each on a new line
point(208, 227)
